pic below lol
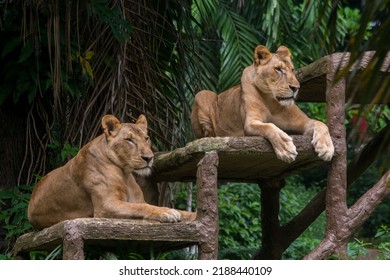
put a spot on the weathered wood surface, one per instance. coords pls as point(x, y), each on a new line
point(105, 230)
point(207, 206)
point(244, 159)
point(313, 77)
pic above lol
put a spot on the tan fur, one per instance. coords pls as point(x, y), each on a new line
point(98, 181)
point(263, 105)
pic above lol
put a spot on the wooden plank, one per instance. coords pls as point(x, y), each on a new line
point(122, 229)
point(105, 229)
point(313, 77)
point(46, 239)
point(243, 159)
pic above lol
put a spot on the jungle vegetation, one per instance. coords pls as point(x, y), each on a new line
point(64, 64)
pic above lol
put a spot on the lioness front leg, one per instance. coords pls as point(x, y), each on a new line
point(163, 214)
point(125, 210)
point(281, 142)
point(187, 216)
point(321, 140)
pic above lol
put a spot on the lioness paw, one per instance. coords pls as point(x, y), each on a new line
point(169, 216)
point(287, 155)
point(324, 148)
point(187, 216)
point(284, 147)
point(323, 144)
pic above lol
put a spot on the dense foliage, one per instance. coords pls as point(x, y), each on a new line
point(68, 64)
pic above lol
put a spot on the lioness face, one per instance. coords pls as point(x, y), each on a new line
point(274, 74)
point(129, 144)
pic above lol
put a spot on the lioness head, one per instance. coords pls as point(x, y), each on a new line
point(128, 144)
point(274, 74)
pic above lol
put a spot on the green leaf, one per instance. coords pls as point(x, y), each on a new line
point(88, 69)
point(26, 52)
point(32, 93)
point(89, 55)
point(10, 46)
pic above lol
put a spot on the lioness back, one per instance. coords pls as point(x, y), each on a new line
point(60, 194)
point(217, 115)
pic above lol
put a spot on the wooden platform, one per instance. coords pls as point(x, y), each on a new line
point(241, 159)
point(75, 234)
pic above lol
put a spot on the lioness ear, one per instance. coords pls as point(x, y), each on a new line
point(261, 55)
point(142, 123)
point(283, 51)
point(110, 125)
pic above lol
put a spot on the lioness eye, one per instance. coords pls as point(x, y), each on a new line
point(279, 70)
point(147, 139)
point(129, 140)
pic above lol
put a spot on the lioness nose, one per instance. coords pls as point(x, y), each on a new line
point(294, 88)
point(147, 158)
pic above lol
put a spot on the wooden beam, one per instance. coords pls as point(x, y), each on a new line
point(241, 159)
point(313, 77)
point(207, 206)
point(74, 232)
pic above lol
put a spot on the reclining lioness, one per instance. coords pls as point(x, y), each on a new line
point(263, 105)
point(98, 181)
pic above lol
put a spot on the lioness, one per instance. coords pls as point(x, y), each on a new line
point(98, 181)
point(263, 105)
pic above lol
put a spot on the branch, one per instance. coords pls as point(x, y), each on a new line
point(296, 226)
point(357, 215)
point(363, 208)
point(376, 146)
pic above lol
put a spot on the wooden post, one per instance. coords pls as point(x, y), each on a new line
point(336, 191)
point(207, 208)
point(336, 195)
point(73, 242)
point(271, 239)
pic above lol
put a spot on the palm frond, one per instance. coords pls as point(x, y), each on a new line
point(227, 41)
point(239, 41)
point(377, 14)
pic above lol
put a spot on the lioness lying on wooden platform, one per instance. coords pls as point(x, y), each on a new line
point(263, 105)
point(98, 181)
